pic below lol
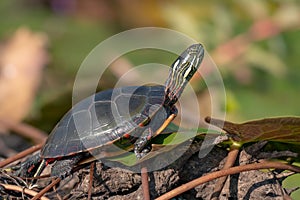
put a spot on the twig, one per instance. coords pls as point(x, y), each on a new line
point(26, 131)
point(92, 168)
point(46, 189)
point(54, 189)
point(20, 155)
point(20, 189)
point(145, 183)
point(225, 172)
point(232, 155)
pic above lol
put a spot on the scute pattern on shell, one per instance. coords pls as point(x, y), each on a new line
point(102, 118)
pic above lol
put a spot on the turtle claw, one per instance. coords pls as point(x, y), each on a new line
point(143, 153)
point(141, 148)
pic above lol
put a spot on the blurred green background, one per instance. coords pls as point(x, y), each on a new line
point(261, 80)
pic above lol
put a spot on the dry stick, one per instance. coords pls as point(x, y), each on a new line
point(54, 189)
point(225, 172)
point(92, 168)
point(232, 155)
point(26, 130)
point(46, 189)
point(145, 183)
point(20, 155)
point(20, 189)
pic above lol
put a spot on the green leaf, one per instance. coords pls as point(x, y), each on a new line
point(180, 136)
point(295, 195)
point(292, 182)
point(169, 139)
point(280, 129)
point(128, 159)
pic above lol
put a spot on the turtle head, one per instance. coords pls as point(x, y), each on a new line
point(182, 70)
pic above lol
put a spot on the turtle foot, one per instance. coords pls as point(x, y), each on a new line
point(63, 168)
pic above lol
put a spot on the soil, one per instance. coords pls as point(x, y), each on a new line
point(122, 182)
point(116, 183)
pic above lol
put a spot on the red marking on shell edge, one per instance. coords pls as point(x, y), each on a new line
point(126, 135)
point(50, 160)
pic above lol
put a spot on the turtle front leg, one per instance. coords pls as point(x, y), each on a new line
point(141, 146)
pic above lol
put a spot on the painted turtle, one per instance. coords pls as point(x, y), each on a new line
point(139, 111)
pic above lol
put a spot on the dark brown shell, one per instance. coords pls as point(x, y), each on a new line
point(102, 118)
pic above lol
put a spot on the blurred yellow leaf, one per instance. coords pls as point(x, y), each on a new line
point(22, 60)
